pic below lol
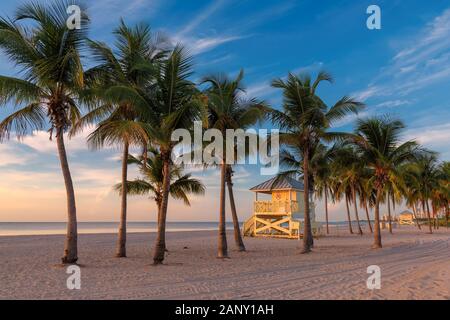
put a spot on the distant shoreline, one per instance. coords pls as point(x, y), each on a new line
point(59, 228)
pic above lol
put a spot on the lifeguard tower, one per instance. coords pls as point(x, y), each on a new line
point(406, 218)
point(283, 215)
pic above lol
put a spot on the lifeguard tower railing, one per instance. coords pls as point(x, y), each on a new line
point(275, 207)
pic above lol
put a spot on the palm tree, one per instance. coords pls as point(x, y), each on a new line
point(151, 183)
point(115, 96)
point(228, 108)
point(174, 103)
point(321, 171)
point(46, 92)
point(378, 141)
point(320, 163)
point(305, 120)
point(366, 195)
point(425, 172)
point(236, 226)
point(350, 171)
point(444, 190)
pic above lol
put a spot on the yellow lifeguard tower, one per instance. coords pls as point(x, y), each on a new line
point(282, 216)
point(406, 218)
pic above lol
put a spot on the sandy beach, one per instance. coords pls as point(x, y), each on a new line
point(414, 265)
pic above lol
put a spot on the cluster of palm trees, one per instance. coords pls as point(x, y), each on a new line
point(138, 92)
point(367, 168)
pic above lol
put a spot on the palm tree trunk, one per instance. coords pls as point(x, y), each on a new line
point(389, 213)
point(368, 217)
point(158, 207)
point(326, 209)
point(446, 215)
point(436, 216)
point(222, 250)
point(428, 213)
point(160, 245)
point(307, 222)
point(122, 238)
point(377, 234)
point(70, 246)
point(349, 219)
point(237, 231)
point(356, 211)
point(415, 216)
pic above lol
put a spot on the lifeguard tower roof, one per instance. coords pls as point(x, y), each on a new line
point(277, 184)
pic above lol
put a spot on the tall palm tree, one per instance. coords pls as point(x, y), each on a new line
point(366, 196)
point(425, 171)
point(236, 226)
point(45, 94)
point(174, 103)
point(378, 141)
point(115, 97)
point(444, 190)
point(350, 171)
point(305, 119)
point(228, 108)
point(321, 170)
point(320, 163)
point(151, 183)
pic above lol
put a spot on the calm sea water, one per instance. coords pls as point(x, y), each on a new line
point(41, 228)
point(45, 228)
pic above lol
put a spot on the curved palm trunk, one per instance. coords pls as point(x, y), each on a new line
point(355, 206)
point(122, 237)
point(70, 246)
point(222, 250)
point(349, 219)
point(368, 217)
point(427, 207)
point(160, 245)
point(307, 238)
point(446, 216)
point(237, 231)
point(326, 209)
point(415, 216)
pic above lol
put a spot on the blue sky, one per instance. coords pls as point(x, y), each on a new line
point(402, 69)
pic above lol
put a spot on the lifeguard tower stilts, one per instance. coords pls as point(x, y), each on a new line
point(283, 215)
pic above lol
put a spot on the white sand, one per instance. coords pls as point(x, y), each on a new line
point(414, 265)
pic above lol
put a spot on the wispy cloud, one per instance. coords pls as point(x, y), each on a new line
point(422, 62)
point(393, 103)
point(201, 45)
point(205, 14)
point(40, 142)
point(10, 155)
point(264, 89)
point(103, 12)
point(209, 39)
point(436, 136)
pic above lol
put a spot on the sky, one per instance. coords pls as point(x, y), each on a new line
point(402, 70)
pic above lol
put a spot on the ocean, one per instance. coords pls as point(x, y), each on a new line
point(47, 228)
